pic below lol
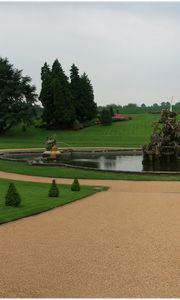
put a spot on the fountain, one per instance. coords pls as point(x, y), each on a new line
point(51, 152)
point(164, 145)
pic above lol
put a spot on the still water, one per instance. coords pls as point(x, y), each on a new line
point(119, 162)
point(110, 162)
point(104, 161)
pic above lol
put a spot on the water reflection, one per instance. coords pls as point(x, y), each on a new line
point(111, 162)
point(104, 161)
point(124, 163)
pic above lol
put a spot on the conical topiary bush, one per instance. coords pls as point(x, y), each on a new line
point(12, 197)
point(75, 185)
point(54, 191)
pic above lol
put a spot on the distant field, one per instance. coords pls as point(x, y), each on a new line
point(133, 133)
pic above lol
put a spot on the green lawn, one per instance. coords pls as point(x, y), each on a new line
point(133, 133)
point(35, 200)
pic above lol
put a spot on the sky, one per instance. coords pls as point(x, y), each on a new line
point(130, 50)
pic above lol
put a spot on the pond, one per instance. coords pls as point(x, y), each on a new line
point(108, 161)
point(131, 161)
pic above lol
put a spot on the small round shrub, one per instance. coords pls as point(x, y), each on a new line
point(54, 191)
point(77, 125)
point(12, 197)
point(75, 186)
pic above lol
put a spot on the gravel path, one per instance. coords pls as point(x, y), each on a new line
point(124, 242)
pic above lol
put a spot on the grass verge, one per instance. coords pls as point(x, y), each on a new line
point(35, 200)
point(64, 172)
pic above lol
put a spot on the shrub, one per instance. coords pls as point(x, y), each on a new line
point(106, 118)
point(90, 123)
point(54, 191)
point(12, 197)
point(77, 125)
point(129, 117)
point(75, 185)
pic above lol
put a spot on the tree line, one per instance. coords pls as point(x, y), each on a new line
point(64, 100)
point(133, 108)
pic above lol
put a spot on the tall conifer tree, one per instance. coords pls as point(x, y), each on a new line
point(87, 98)
point(46, 96)
point(75, 85)
point(83, 96)
point(64, 101)
point(64, 114)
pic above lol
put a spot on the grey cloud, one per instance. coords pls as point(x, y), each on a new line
point(129, 50)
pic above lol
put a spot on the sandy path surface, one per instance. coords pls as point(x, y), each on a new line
point(124, 242)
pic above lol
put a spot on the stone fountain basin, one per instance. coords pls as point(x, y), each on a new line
point(125, 160)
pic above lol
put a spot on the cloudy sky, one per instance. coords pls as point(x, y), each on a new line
point(130, 50)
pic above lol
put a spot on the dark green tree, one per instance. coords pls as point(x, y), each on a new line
point(75, 86)
point(54, 191)
point(12, 197)
point(132, 105)
point(83, 95)
point(106, 118)
point(155, 105)
point(111, 111)
point(88, 107)
point(66, 102)
point(46, 96)
point(17, 97)
point(165, 104)
point(64, 112)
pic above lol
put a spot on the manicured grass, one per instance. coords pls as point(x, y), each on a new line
point(35, 200)
point(64, 172)
point(132, 133)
